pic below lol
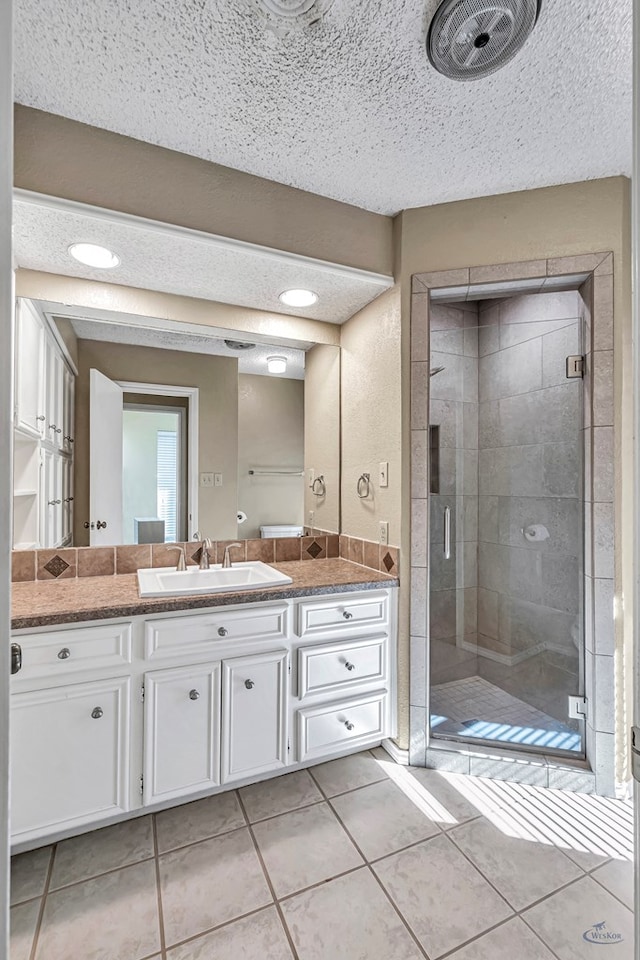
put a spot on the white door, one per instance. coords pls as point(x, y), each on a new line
point(182, 731)
point(54, 388)
point(68, 409)
point(254, 714)
point(67, 501)
point(69, 755)
point(105, 460)
point(29, 352)
point(48, 499)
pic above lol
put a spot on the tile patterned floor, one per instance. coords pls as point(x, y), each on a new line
point(356, 859)
point(477, 708)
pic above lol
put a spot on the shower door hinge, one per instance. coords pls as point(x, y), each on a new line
point(575, 366)
point(578, 708)
point(635, 753)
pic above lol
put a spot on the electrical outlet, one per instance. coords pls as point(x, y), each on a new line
point(384, 532)
point(311, 475)
point(206, 480)
point(311, 517)
point(217, 479)
point(384, 473)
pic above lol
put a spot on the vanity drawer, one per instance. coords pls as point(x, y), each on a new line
point(329, 728)
point(61, 652)
point(199, 634)
point(333, 666)
point(320, 617)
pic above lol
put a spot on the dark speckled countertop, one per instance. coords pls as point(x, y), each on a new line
point(42, 603)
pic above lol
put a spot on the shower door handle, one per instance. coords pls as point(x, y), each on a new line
point(447, 533)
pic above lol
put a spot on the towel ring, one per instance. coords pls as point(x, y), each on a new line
point(321, 488)
point(364, 483)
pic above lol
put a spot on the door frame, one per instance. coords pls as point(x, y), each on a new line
point(192, 395)
point(7, 318)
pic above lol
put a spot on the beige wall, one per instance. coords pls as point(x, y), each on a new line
point(322, 435)
point(551, 222)
point(270, 435)
point(98, 295)
point(64, 158)
point(371, 417)
point(217, 381)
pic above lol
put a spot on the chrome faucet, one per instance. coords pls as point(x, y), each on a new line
point(182, 563)
point(204, 553)
point(226, 561)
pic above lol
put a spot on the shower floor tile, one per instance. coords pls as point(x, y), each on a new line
point(475, 708)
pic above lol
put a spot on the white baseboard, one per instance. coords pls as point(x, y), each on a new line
point(394, 751)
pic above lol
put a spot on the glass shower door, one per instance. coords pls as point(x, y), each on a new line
point(506, 524)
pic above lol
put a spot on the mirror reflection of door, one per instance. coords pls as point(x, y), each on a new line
point(154, 469)
point(105, 456)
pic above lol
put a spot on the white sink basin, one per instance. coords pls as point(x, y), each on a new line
point(169, 582)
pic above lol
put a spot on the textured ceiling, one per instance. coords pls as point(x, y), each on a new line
point(252, 361)
point(347, 108)
point(185, 262)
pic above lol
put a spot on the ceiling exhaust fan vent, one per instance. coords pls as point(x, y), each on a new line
point(471, 39)
point(288, 16)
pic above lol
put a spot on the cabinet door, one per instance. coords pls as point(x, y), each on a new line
point(254, 719)
point(69, 756)
point(55, 390)
point(29, 393)
point(67, 409)
point(182, 731)
point(47, 499)
point(67, 500)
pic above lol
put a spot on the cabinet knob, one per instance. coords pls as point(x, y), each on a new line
point(58, 429)
point(64, 654)
point(16, 658)
point(69, 439)
point(68, 500)
point(222, 631)
point(97, 712)
point(249, 684)
point(88, 526)
point(52, 426)
point(348, 725)
point(53, 503)
point(42, 417)
point(101, 524)
point(350, 666)
point(347, 615)
point(193, 695)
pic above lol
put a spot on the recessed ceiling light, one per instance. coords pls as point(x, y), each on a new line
point(298, 298)
point(277, 364)
point(93, 255)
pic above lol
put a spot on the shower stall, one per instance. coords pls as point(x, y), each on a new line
point(503, 589)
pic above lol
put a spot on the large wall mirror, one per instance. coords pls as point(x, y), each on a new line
point(139, 430)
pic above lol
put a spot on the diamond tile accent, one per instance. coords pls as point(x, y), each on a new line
point(388, 561)
point(196, 556)
point(56, 566)
point(314, 549)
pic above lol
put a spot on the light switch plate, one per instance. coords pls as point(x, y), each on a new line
point(384, 532)
point(311, 517)
point(217, 479)
point(384, 473)
point(206, 480)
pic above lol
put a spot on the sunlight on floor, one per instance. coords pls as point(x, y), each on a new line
point(570, 821)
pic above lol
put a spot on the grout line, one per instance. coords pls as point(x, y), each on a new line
point(604, 887)
point(218, 926)
point(163, 943)
point(45, 893)
point(274, 816)
point(104, 873)
point(395, 908)
point(276, 902)
point(540, 937)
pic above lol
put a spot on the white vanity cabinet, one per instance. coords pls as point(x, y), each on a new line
point(118, 717)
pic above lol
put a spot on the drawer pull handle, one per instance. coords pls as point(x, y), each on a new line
point(249, 684)
point(64, 654)
point(347, 615)
point(194, 695)
point(350, 666)
point(222, 631)
point(348, 725)
point(97, 712)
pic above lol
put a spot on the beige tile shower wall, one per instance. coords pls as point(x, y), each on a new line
point(371, 417)
point(322, 435)
point(270, 437)
point(217, 381)
point(533, 225)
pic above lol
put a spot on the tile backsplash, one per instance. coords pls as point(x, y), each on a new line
point(71, 562)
